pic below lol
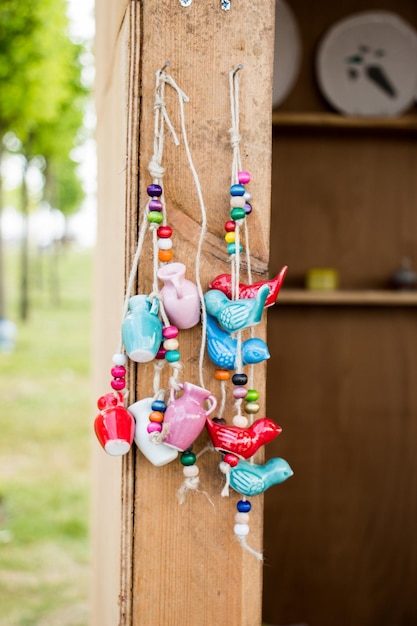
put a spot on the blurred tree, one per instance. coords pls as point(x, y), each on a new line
point(41, 100)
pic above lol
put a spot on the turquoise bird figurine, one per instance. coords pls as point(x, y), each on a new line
point(251, 480)
point(222, 349)
point(234, 315)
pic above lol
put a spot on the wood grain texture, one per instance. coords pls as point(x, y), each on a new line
point(187, 566)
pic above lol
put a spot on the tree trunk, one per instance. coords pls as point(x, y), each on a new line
point(24, 251)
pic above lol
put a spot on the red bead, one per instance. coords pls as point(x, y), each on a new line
point(118, 371)
point(118, 384)
point(161, 353)
point(170, 332)
point(230, 226)
point(231, 459)
point(164, 232)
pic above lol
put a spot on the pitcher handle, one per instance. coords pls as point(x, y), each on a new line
point(213, 406)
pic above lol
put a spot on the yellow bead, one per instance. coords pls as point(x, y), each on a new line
point(251, 407)
point(230, 237)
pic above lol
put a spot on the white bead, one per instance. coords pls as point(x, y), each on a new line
point(190, 471)
point(242, 518)
point(165, 243)
point(119, 359)
point(241, 530)
point(237, 202)
point(171, 344)
point(241, 421)
point(247, 195)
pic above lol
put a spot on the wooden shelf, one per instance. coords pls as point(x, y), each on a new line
point(347, 298)
point(333, 120)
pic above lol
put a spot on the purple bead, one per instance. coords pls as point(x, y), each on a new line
point(248, 208)
point(239, 392)
point(155, 205)
point(243, 506)
point(154, 191)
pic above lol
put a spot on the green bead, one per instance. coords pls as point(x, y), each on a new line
point(237, 214)
point(155, 216)
point(188, 458)
point(252, 395)
point(172, 355)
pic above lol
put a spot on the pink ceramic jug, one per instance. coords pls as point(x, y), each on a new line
point(185, 416)
point(180, 296)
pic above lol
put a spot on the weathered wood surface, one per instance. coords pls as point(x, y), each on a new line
point(182, 564)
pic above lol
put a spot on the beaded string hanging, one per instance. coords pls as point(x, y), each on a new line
point(232, 308)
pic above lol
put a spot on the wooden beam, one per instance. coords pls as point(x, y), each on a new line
point(182, 563)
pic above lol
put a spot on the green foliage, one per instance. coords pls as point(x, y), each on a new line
point(46, 424)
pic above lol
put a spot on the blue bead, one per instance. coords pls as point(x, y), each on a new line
point(159, 405)
point(243, 506)
point(231, 248)
point(172, 356)
point(237, 190)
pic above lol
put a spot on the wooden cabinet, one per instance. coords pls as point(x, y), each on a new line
point(340, 536)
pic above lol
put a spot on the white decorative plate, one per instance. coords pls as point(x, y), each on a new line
point(367, 64)
point(287, 53)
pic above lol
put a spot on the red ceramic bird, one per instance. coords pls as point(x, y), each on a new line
point(243, 442)
point(223, 283)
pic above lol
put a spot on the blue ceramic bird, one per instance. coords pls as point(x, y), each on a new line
point(234, 315)
point(251, 480)
point(222, 349)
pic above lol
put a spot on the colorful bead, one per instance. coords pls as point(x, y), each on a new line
point(119, 359)
point(243, 506)
point(171, 344)
point(190, 471)
point(230, 237)
point(154, 190)
point(239, 379)
point(252, 408)
point(240, 421)
point(230, 226)
point(159, 405)
point(237, 214)
point(222, 375)
point(155, 205)
point(243, 177)
point(242, 518)
point(237, 202)
point(252, 395)
point(118, 384)
point(241, 530)
point(172, 356)
point(161, 353)
point(239, 392)
point(118, 371)
point(165, 244)
point(154, 427)
point(237, 190)
point(231, 248)
point(231, 459)
point(188, 458)
point(169, 332)
point(155, 217)
point(165, 255)
point(156, 416)
point(164, 231)
point(248, 208)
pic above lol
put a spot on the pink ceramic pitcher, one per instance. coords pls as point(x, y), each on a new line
point(185, 416)
point(180, 296)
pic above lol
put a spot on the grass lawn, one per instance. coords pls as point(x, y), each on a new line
point(45, 446)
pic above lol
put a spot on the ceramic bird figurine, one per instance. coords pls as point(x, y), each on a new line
point(242, 442)
point(222, 349)
point(223, 283)
point(234, 315)
point(251, 480)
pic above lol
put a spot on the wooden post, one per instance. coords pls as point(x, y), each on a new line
point(180, 564)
